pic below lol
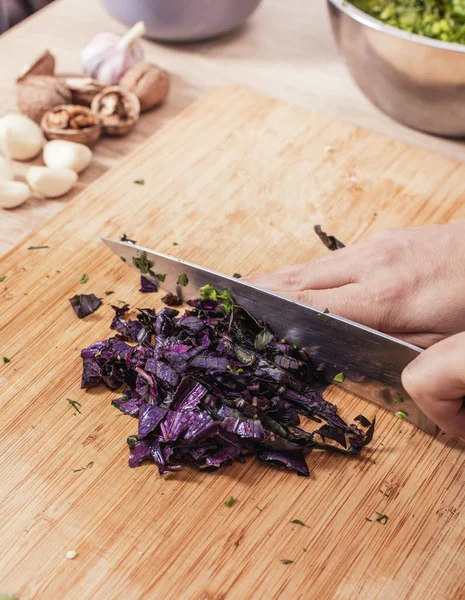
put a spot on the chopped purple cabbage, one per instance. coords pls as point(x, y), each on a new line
point(211, 387)
point(85, 304)
point(147, 286)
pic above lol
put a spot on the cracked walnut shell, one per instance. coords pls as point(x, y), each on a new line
point(118, 110)
point(36, 94)
point(73, 123)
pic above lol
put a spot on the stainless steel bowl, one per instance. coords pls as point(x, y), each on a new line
point(183, 20)
point(416, 80)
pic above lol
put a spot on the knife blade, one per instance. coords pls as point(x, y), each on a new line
point(372, 362)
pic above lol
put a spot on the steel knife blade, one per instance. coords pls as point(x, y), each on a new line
point(372, 362)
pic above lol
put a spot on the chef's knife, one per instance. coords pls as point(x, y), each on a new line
point(372, 362)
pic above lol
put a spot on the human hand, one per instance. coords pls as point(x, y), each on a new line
point(409, 283)
point(436, 382)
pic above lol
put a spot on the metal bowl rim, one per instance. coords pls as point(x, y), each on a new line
point(358, 15)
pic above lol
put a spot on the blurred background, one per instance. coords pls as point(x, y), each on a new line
point(14, 11)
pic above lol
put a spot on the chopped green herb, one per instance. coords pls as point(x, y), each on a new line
point(237, 276)
point(326, 311)
point(108, 293)
point(401, 414)
point(2, 278)
point(75, 404)
point(399, 400)
point(6, 359)
point(304, 549)
point(175, 244)
point(286, 561)
point(37, 247)
point(123, 259)
point(84, 279)
point(140, 181)
point(369, 520)
point(262, 340)
point(208, 292)
point(77, 470)
point(440, 19)
point(121, 302)
point(132, 441)
point(259, 509)
point(295, 346)
point(299, 522)
point(160, 276)
point(58, 271)
point(230, 501)
point(384, 493)
point(143, 264)
point(382, 518)
point(90, 465)
point(183, 280)
point(339, 378)
point(240, 370)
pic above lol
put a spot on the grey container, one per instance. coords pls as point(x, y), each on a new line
point(183, 20)
point(417, 80)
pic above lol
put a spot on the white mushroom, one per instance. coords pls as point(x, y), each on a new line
point(13, 193)
point(62, 154)
point(20, 137)
point(6, 172)
point(51, 182)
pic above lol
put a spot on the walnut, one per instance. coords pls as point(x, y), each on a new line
point(150, 83)
point(71, 122)
point(118, 110)
point(83, 89)
point(43, 65)
point(36, 94)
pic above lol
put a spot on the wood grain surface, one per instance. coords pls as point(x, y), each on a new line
point(286, 51)
point(237, 180)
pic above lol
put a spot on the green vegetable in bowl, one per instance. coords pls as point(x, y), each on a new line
point(440, 19)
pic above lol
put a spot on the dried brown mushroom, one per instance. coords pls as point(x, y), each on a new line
point(150, 83)
point(118, 110)
point(43, 65)
point(71, 122)
point(36, 94)
point(83, 89)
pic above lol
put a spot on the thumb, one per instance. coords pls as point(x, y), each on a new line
point(436, 382)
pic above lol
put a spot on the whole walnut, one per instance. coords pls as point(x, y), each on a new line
point(150, 83)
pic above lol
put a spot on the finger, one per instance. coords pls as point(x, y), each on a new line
point(422, 340)
point(436, 381)
point(349, 301)
point(330, 271)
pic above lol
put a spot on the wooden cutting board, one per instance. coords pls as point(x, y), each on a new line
point(237, 181)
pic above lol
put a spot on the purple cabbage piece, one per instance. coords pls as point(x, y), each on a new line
point(246, 428)
point(206, 392)
point(150, 417)
point(296, 462)
point(171, 299)
point(85, 304)
point(188, 395)
point(139, 453)
point(212, 363)
point(147, 286)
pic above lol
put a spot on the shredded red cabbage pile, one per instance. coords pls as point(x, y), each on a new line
point(213, 386)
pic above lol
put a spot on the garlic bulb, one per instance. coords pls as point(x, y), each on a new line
point(107, 57)
point(13, 193)
point(67, 155)
point(51, 182)
point(20, 137)
point(6, 172)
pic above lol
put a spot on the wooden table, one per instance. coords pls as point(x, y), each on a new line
point(284, 52)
